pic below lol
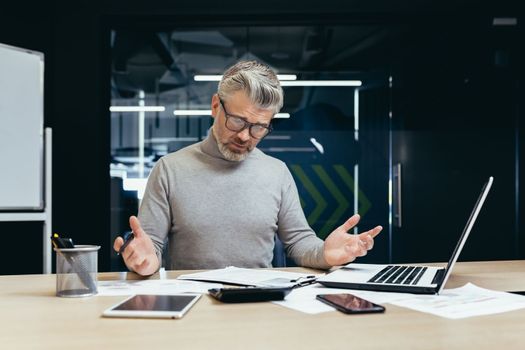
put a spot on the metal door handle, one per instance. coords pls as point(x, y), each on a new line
point(396, 194)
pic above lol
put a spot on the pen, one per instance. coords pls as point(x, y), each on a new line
point(304, 281)
point(59, 242)
point(128, 237)
point(307, 278)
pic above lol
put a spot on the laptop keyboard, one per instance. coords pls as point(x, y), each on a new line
point(399, 275)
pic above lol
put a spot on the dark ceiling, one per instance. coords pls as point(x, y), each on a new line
point(160, 61)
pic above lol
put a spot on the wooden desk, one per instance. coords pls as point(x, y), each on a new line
point(33, 318)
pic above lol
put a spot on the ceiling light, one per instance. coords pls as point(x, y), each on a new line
point(192, 112)
point(286, 77)
point(207, 77)
point(504, 21)
point(137, 108)
point(322, 83)
point(201, 77)
point(208, 112)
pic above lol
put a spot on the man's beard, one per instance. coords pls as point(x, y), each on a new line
point(226, 153)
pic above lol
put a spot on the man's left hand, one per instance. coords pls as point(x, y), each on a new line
point(340, 247)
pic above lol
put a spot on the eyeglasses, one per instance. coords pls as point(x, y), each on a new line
point(238, 124)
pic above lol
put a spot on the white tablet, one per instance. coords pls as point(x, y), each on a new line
point(153, 306)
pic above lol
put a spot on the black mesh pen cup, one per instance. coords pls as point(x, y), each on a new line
point(77, 271)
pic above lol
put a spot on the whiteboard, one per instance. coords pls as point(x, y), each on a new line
point(21, 129)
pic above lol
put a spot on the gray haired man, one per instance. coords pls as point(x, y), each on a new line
point(221, 201)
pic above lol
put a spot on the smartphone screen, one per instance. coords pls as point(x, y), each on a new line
point(349, 303)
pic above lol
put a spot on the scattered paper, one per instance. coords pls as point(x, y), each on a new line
point(164, 286)
point(467, 301)
point(251, 277)
point(303, 299)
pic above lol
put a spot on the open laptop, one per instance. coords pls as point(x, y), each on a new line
point(403, 278)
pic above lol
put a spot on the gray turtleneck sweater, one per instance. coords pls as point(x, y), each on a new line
point(217, 213)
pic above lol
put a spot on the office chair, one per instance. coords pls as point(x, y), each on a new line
point(279, 255)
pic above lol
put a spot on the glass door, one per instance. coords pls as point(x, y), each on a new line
point(333, 131)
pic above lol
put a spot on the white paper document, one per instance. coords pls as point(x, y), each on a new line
point(467, 301)
point(303, 299)
point(130, 287)
point(250, 277)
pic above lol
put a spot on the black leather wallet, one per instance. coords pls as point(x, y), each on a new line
point(249, 294)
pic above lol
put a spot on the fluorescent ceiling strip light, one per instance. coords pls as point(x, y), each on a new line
point(286, 76)
point(322, 83)
point(208, 112)
point(207, 77)
point(504, 21)
point(137, 108)
point(192, 112)
point(202, 77)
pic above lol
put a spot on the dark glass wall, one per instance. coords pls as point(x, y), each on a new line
point(74, 38)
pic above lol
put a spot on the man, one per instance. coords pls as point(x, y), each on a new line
point(221, 201)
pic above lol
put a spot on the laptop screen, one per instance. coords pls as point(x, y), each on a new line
point(466, 230)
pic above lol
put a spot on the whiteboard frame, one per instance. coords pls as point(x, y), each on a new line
point(41, 160)
point(44, 212)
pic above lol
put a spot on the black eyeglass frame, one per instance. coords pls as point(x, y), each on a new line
point(247, 124)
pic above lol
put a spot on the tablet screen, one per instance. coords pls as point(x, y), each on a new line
point(156, 303)
point(142, 305)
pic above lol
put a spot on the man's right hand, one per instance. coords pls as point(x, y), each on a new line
point(139, 255)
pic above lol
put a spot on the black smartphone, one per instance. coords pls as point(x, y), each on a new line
point(249, 294)
point(349, 303)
